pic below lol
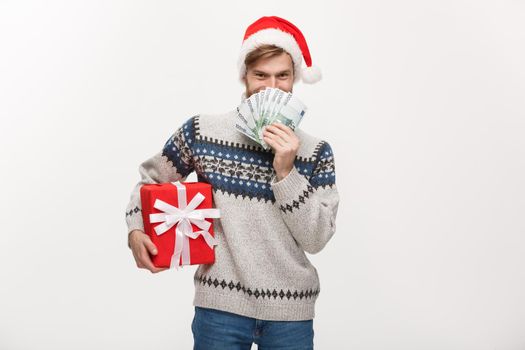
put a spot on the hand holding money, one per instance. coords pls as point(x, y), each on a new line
point(266, 107)
point(285, 144)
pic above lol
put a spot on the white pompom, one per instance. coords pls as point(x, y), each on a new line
point(311, 75)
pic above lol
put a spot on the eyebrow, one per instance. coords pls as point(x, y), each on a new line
point(261, 72)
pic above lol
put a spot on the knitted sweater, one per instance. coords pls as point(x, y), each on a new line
point(266, 226)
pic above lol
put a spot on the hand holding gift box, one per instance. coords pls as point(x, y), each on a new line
point(178, 219)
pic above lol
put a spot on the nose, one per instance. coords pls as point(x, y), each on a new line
point(272, 82)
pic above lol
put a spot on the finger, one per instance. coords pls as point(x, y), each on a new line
point(273, 144)
point(289, 140)
point(279, 132)
point(143, 258)
point(137, 260)
point(136, 257)
point(283, 127)
point(158, 269)
point(286, 130)
point(152, 249)
point(274, 140)
point(148, 264)
point(274, 136)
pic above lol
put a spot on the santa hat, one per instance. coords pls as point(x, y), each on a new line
point(281, 33)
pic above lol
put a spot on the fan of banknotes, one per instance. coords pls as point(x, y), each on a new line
point(264, 108)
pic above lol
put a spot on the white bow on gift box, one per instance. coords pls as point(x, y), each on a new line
point(183, 217)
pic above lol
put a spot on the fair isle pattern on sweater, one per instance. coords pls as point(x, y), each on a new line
point(256, 293)
point(241, 170)
point(295, 215)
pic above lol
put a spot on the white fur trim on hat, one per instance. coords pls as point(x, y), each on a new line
point(271, 36)
point(311, 74)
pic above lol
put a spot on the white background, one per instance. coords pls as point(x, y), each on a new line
point(421, 101)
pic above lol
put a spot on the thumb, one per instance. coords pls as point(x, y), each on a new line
point(152, 249)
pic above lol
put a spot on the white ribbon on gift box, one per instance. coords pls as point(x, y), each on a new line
point(183, 217)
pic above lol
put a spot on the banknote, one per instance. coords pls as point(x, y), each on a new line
point(247, 132)
point(266, 107)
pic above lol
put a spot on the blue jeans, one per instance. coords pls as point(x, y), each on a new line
point(220, 330)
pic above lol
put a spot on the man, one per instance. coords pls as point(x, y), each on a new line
point(275, 205)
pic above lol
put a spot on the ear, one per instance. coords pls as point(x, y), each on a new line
point(244, 78)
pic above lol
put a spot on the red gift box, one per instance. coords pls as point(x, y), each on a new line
point(179, 220)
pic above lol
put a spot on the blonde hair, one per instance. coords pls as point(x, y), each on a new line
point(262, 52)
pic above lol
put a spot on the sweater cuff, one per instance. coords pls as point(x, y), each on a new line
point(135, 222)
point(289, 187)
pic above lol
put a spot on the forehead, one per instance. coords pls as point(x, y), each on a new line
point(278, 63)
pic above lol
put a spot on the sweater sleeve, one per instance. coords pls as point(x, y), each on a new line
point(173, 163)
point(309, 206)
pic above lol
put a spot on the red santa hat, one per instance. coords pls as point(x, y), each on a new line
point(277, 31)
